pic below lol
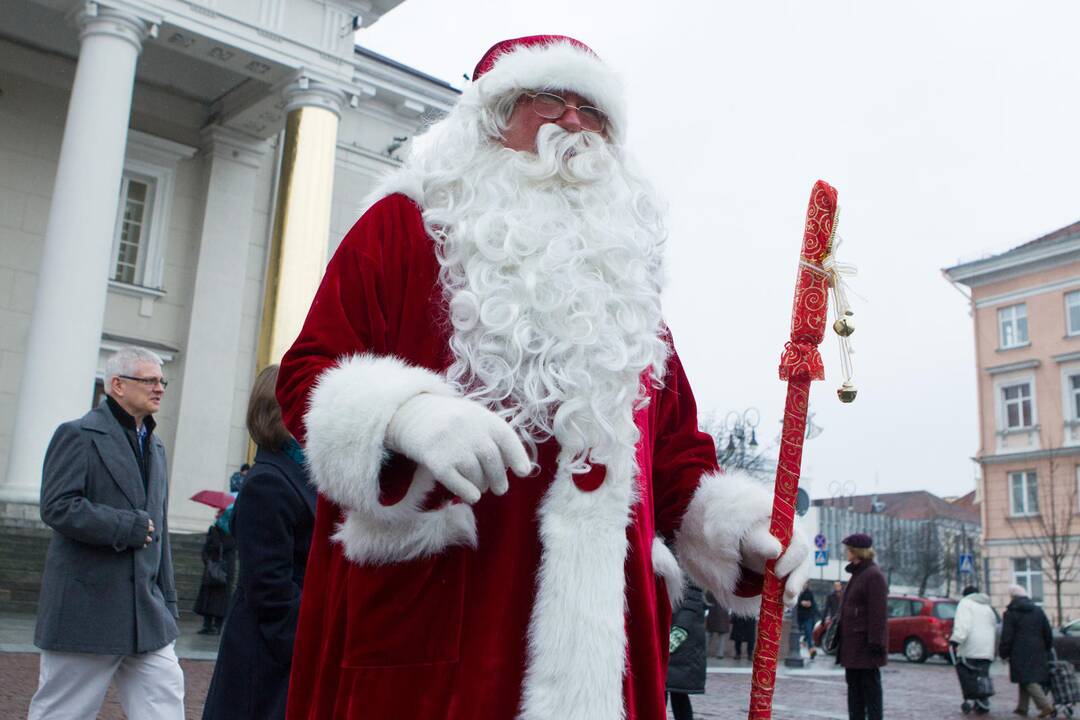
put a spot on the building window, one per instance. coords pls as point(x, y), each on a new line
point(133, 228)
point(1016, 406)
point(1013, 325)
point(1072, 313)
point(1072, 388)
point(1027, 573)
point(1023, 493)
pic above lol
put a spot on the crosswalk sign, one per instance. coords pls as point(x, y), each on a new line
point(821, 557)
point(967, 564)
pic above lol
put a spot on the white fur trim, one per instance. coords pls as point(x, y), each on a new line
point(577, 634)
point(666, 567)
point(724, 508)
point(558, 65)
point(350, 407)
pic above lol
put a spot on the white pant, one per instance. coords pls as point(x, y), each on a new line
point(72, 686)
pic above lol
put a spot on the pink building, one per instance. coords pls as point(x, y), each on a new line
point(1026, 308)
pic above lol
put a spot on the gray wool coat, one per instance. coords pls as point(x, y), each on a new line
point(103, 590)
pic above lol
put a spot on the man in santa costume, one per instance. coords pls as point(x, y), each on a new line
point(501, 432)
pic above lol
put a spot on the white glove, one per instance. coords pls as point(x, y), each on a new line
point(466, 447)
point(759, 545)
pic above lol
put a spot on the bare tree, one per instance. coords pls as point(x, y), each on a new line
point(926, 539)
point(737, 447)
point(1051, 530)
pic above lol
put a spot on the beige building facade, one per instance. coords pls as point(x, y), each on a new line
point(175, 174)
point(1025, 304)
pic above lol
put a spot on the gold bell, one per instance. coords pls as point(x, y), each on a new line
point(845, 326)
point(846, 392)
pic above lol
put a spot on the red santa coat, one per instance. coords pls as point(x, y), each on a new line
point(549, 602)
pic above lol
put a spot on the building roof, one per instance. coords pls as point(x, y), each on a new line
point(1032, 255)
point(914, 505)
point(378, 57)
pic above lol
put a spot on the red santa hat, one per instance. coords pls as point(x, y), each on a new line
point(551, 63)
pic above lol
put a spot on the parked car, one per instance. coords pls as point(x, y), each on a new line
point(920, 627)
point(1067, 642)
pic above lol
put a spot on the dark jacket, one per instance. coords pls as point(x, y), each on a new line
point(273, 522)
point(864, 630)
point(213, 600)
point(743, 628)
point(103, 589)
point(718, 619)
point(802, 613)
point(1026, 639)
point(686, 665)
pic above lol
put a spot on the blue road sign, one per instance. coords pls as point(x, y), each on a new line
point(967, 564)
point(820, 541)
point(821, 557)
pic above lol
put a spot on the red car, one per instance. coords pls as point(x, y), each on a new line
point(918, 627)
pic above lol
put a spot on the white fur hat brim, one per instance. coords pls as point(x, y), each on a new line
point(552, 66)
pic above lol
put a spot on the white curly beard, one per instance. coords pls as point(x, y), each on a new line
point(551, 265)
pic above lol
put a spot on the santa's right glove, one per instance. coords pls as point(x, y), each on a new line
point(465, 446)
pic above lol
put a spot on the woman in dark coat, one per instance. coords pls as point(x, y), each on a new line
point(273, 522)
point(686, 663)
point(1026, 640)
point(212, 602)
point(864, 633)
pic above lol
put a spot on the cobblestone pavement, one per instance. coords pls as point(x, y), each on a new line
point(923, 692)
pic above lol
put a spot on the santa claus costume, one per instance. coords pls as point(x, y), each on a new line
point(494, 291)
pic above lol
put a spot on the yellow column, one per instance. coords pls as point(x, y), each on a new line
point(298, 245)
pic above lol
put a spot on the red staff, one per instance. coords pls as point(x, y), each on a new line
point(800, 364)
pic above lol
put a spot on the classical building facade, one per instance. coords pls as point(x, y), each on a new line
point(175, 174)
point(1025, 304)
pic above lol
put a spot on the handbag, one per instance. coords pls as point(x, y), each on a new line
point(831, 642)
point(217, 574)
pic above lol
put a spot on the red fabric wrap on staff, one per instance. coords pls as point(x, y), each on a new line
point(800, 363)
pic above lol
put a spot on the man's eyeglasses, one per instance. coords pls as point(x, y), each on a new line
point(148, 382)
point(552, 107)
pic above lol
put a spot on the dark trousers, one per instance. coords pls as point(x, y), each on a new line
point(749, 648)
point(681, 709)
point(863, 693)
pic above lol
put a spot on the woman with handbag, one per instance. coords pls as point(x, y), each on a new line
point(273, 521)
point(219, 560)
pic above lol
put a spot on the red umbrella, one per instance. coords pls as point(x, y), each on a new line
point(214, 498)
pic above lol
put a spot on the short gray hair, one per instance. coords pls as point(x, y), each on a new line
point(1017, 591)
point(124, 360)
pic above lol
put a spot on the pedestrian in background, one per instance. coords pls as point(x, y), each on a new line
point(219, 563)
point(273, 520)
point(236, 480)
point(1026, 640)
point(832, 602)
point(973, 634)
point(863, 629)
point(806, 614)
point(743, 630)
point(686, 662)
point(108, 603)
point(717, 625)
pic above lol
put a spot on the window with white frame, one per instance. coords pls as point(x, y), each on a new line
point(1027, 573)
point(1072, 391)
point(1072, 313)
point(1013, 326)
point(1016, 410)
point(132, 234)
point(142, 215)
point(1023, 493)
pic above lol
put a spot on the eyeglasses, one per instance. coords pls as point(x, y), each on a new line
point(148, 382)
point(552, 107)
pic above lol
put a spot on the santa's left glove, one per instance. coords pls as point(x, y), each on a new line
point(466, 447)
point(759, 545)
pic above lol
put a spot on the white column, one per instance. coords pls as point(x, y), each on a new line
point(69, 304)
point(201, 452)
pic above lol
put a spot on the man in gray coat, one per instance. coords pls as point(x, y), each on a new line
point(108, 602)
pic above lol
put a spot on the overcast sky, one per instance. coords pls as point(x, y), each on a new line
point(949, 129)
